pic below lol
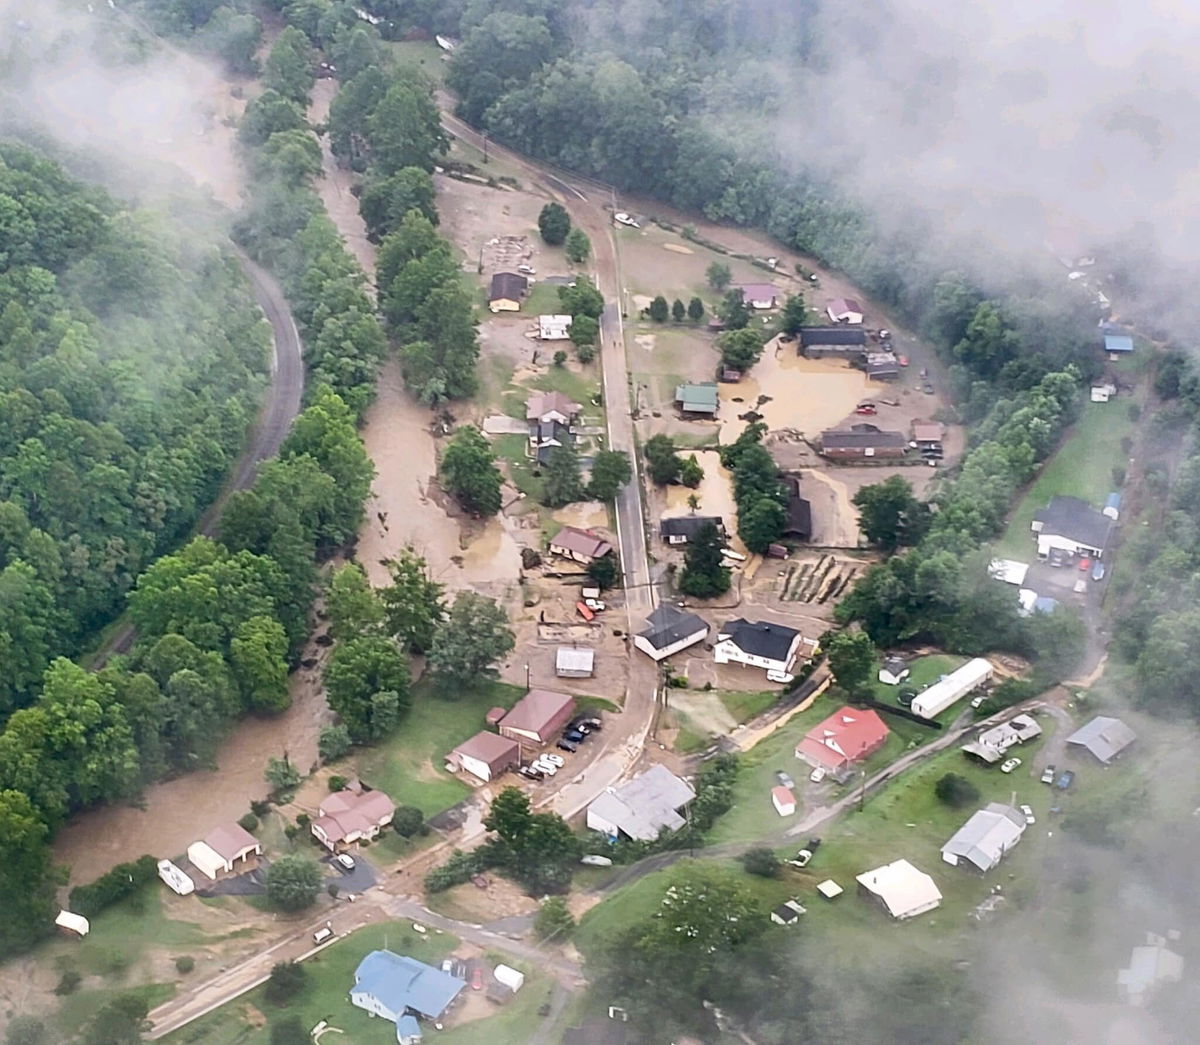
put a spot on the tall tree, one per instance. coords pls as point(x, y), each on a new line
point(469, 642)
point(26, 875)
point(293, 882)
point(354, 607)
point(258, 660)
point(740, 349)
point(385, 200)
point(359, 673)
point(405, 130)
point(413, 601)
point(695, 310)
point(469, 474)
point(852, 658)
point(610, 471)
point(577, 246)
point(554, 223)
point(704, 573)
point(661, 460)
point(794, 315)
point(290, 66)
point(659, 310)
point(678, 311)
point(890, 515)
point(718, 276)
point(562, 483)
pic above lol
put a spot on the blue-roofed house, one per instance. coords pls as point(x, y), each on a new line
point(394, 985)
point(1118, 344)
point(408, 1030)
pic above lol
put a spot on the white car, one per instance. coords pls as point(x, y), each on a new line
point(1010, 765)
point(419, 928)
point(774, 675)
point(1030, 819)
point(346, 860)
point(978, 702)
point(817, 775)
point(554, 759)
point(548, 768)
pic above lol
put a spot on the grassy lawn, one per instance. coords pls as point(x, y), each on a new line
point(904, 821)
point(1082, 467)
point(745, 706)
point(77, 1009)
point(542, 300)
point(512, 1023)
point(330, 975)
point(424, 54)
point(582, 387)
point(753, 816)
point(511, 448)
point(408, 766)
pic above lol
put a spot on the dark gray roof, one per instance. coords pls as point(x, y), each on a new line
point(667, 625)
point(837, 439)
point(547, 430)
point(689, 525)
point(799, 511)
point(840, 335)
point(760, 638)
point(1076, 520)
point(508, 285)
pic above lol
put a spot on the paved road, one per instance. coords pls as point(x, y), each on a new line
point(274, 421)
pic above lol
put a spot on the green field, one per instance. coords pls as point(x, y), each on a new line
point(745, 706)
point(754, 817)
point(331, 973)
point(905, 820)
point(542, 300)
point(1082, 467)
point(409, 765)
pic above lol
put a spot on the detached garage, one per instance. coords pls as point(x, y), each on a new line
point(486, 755)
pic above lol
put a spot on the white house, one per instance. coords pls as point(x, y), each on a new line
point(757, 644)
point(894, 671)
point(642, 807)
point(983, 840)
point(1071, 526)
point(554, 328)
point(901, 889)
point(669, 631)
point(222, 850)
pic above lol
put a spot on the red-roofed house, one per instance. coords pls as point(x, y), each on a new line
point(848, 735)
point(759, 295)
point(346, 816)
point(486, 755)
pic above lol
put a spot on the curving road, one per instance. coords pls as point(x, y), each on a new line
point(279, 410)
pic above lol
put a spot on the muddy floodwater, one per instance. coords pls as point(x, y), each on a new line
point(809, 395)
point(715, 494)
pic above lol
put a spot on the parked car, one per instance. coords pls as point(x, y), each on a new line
point(817, 775)
point(566, 745)
point(574, 736)
point(1010, 765)
point(902, 360)
point(801, 859)
point(321, 935)
point(1098, 572)
point(1065, 780)
point(584, 723)
point(866, 409)
point(783, 677)
point(546, 768)
point(1030, 819)
point(978, 702)
point(1048, 775)
point(448, 966)
point(927, 388)
point(345, 861)
point(595, 860)
point(785, 780)
point(477, 978)
point(553, 759)
point(1085, 564)
point(924, 372)
point(419, 929)
point(531, 774)
point(480, 881)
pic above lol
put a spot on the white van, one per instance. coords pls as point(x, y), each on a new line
point(321, 935)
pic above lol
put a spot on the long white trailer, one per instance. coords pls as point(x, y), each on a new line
point(933, 701)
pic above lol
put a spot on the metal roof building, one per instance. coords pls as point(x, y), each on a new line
point(984, 839)
point(389, 985)
point(1104, 737)
point(932, 702)
point(574, 662)
point(643, 806)
point(902, 890)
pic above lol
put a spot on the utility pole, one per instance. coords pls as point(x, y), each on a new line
point(485, 152)
point(862, 790)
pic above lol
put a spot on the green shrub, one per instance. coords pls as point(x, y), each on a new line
point(337, 783)
point(286, 981)
point(122, 881)
point(67, 982)
point(249, 822)
point(185, 963)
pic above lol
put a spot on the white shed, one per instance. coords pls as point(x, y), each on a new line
point(574, 662)
point(554, 328)
point(73, 923)
point(953, 687)
point(512, 978)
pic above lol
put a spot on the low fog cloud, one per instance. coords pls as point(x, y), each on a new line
point(148, 112)
point(1013, 123)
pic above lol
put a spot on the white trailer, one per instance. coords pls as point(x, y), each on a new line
point(176, 880)
point(933, 701)
point(510, 977)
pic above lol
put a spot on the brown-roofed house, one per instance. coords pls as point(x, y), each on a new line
point(538, 716)
point(927, 434)
point(862, 441)
point(486, 755)
point(348, 816)
point(547, 407)
point(845, 310)
point(759, 295)
point(507, 292)
point(224, 850)
point(581, 546)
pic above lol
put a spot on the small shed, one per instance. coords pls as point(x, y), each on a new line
point(494, 716)
point(73, 924)
point(574, 662)
point(830, 889)
point(554, 328)
point(788, 913)
point(894, 671)
point(699, 399)
point(1118, 344)
point(783, 800)
point(512, 978)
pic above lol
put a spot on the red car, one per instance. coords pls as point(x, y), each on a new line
point(902, 360)
point(477, 978)
point(1085, 565)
